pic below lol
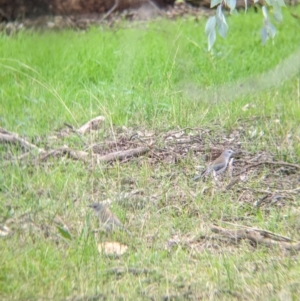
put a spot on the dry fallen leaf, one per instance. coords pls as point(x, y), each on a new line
point(4, 231)
point(112, 248)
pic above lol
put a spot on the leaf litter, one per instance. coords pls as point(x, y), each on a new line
point(256, 179)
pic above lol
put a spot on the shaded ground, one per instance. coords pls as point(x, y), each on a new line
point(82, 22)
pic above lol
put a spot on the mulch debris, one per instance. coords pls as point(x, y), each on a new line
point(278, 181)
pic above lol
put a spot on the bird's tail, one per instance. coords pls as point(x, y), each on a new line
point(204, 173)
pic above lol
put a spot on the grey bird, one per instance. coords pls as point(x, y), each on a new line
point(217, 166)
point(106, 218)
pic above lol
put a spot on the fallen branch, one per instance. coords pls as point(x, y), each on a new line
point(116, 4)
point(6, 137)
point(276, 163)
point(92, 124)
point(263, 232)
point(63, 151)
point(256, 237)
point(232, 183)
point(276, 191)
point(82, 156)
point(121, 155)
point(172, 133)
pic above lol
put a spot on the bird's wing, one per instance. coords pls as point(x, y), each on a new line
point(218, 167)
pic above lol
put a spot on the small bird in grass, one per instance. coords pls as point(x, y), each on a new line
point(106, 218)
point(217, 166)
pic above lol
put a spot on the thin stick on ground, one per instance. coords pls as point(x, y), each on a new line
point(111, 10)
point(82, 156)
point(7, 137)
point(268, 163)
point(275, 191)
point(256, 237)
point(92, 124)
point(121, 155)
point(264, 232)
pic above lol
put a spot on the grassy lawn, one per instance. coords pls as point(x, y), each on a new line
point(149, 78)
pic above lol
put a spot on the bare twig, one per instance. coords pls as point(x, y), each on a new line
point(154, 5)
point(291, 191)
point(263, 232)
point(256, 237)
point(149, 145)
point(181, 141)
point(82, 156)
point(262, 200)
point(111, 10)
point(179, 131)
point(74, 130)
point(255, 158)
point(62, 151)
point(232, 183)
point(134, 271)
point(7, 137)
point(276, 163)
point(92, 124)
point(13, 138)
point(121, 155)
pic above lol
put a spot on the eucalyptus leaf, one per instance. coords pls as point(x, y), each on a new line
point(271, 30)
point(219, 12)
point(265, 13)
point(234, 12)
point(277, 13)
point(231, 4)
point(210, 25)
point(280, 2)
point(211, 39)
point(264, 35)
point(220, 17)
point(223, 28)
point(64, 232)
point(221, 22)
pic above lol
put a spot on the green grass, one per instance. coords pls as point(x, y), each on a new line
point(156, 76)
point(139, 74)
